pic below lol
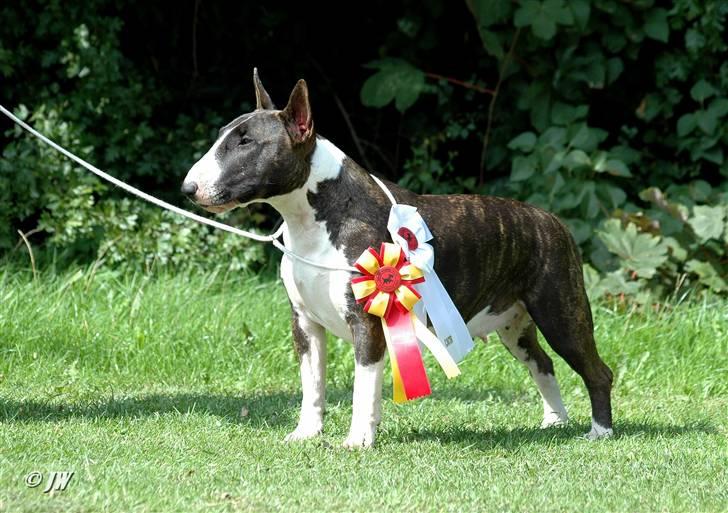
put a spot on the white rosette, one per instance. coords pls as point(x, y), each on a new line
point(436, 303)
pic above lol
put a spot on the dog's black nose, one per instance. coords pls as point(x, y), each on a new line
point(189, 188)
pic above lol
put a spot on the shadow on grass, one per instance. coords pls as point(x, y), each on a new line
point(268, 409)
point(272, 409)
point(513, 439)
point(257, 410)
point(261, 408)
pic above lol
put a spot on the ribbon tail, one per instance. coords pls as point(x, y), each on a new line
point(409, 378)
point(437, 348)
point(398, 395)
point(420, 312)
point(446, 319)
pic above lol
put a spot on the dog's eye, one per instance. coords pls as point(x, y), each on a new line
point(244, 140)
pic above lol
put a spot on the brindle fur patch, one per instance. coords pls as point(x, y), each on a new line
point(300, 339)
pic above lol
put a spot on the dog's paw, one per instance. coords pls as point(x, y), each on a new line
point(360, 439)
point(554, 419)
point(598, 431)
point(304, 431)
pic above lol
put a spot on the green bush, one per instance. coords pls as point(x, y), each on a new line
point(611, 114)
point(92, 99)
point(594, 108)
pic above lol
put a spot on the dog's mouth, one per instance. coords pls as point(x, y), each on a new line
point(222, 201)
point(216, 203)
point(218, 208)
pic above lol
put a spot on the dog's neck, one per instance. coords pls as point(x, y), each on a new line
point(326, 164)
point(334, 189)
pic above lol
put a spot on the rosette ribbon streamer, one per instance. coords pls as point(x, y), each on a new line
point(410, 231)
point(386, 289)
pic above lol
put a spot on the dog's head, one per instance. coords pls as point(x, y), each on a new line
point(257, 156)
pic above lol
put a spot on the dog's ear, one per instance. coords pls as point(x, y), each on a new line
point(297, 114)
point(262, 100)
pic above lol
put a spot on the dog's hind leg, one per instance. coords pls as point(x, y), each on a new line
point(519, 337)
point(310, 341)
point(564, 317)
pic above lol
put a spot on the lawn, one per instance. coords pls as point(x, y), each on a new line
point(174, 393)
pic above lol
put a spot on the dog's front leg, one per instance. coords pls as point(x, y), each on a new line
point(310, 341)
point(369, 346)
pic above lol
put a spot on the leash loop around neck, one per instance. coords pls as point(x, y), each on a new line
point(272, 238)
point(386, 190)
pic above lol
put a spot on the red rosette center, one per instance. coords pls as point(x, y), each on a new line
point(387, 278)
point(410, 237)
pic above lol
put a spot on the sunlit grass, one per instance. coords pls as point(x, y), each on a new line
point(174, 393)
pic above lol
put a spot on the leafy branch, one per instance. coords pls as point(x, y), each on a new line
point(467, 85)
point(491, 106)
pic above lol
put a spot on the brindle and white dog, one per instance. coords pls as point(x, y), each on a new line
point(508, 266)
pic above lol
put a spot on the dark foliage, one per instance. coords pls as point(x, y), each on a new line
point(609, 113)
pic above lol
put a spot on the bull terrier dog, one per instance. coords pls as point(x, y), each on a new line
point(509, 267)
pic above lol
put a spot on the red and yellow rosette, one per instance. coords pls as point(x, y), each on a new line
point(386, 290)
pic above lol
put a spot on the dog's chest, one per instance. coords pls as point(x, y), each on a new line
point(320, 294)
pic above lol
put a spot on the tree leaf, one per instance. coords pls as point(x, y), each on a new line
point(707, 222)
point(396, 80)
point(565, 114)
point(558, 11)
point(522, 169)
point(700, 191)
point(714, 155)
point(586, 138)
point(656, 26)
point(543, 17)
point(613, 196)
point(527, 13)
point(523, 142)
point(707, 121)
point(554, 137)
point(719, 107)
point(614, 69)
point(577, 158)
point(543, 27)
point(580, 229)
point(377, 91)
point(676, 250)
point(492, 44)
point(616, 283)
point(642, 253)
point(617, 168)
point(591, 203)
point(491, 12)
point(556, 162)
point(566, 201)
point(701, 91)
point(708, 275)
point(581, 10)
point(685, 124)
point(593, 283)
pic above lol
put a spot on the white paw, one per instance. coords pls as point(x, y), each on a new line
point(554, 419)
point(304, 431)
point(361, 438)
point(598, 431)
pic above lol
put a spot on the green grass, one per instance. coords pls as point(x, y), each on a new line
point(174, 394)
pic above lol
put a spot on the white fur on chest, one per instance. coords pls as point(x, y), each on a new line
point(317, 293)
